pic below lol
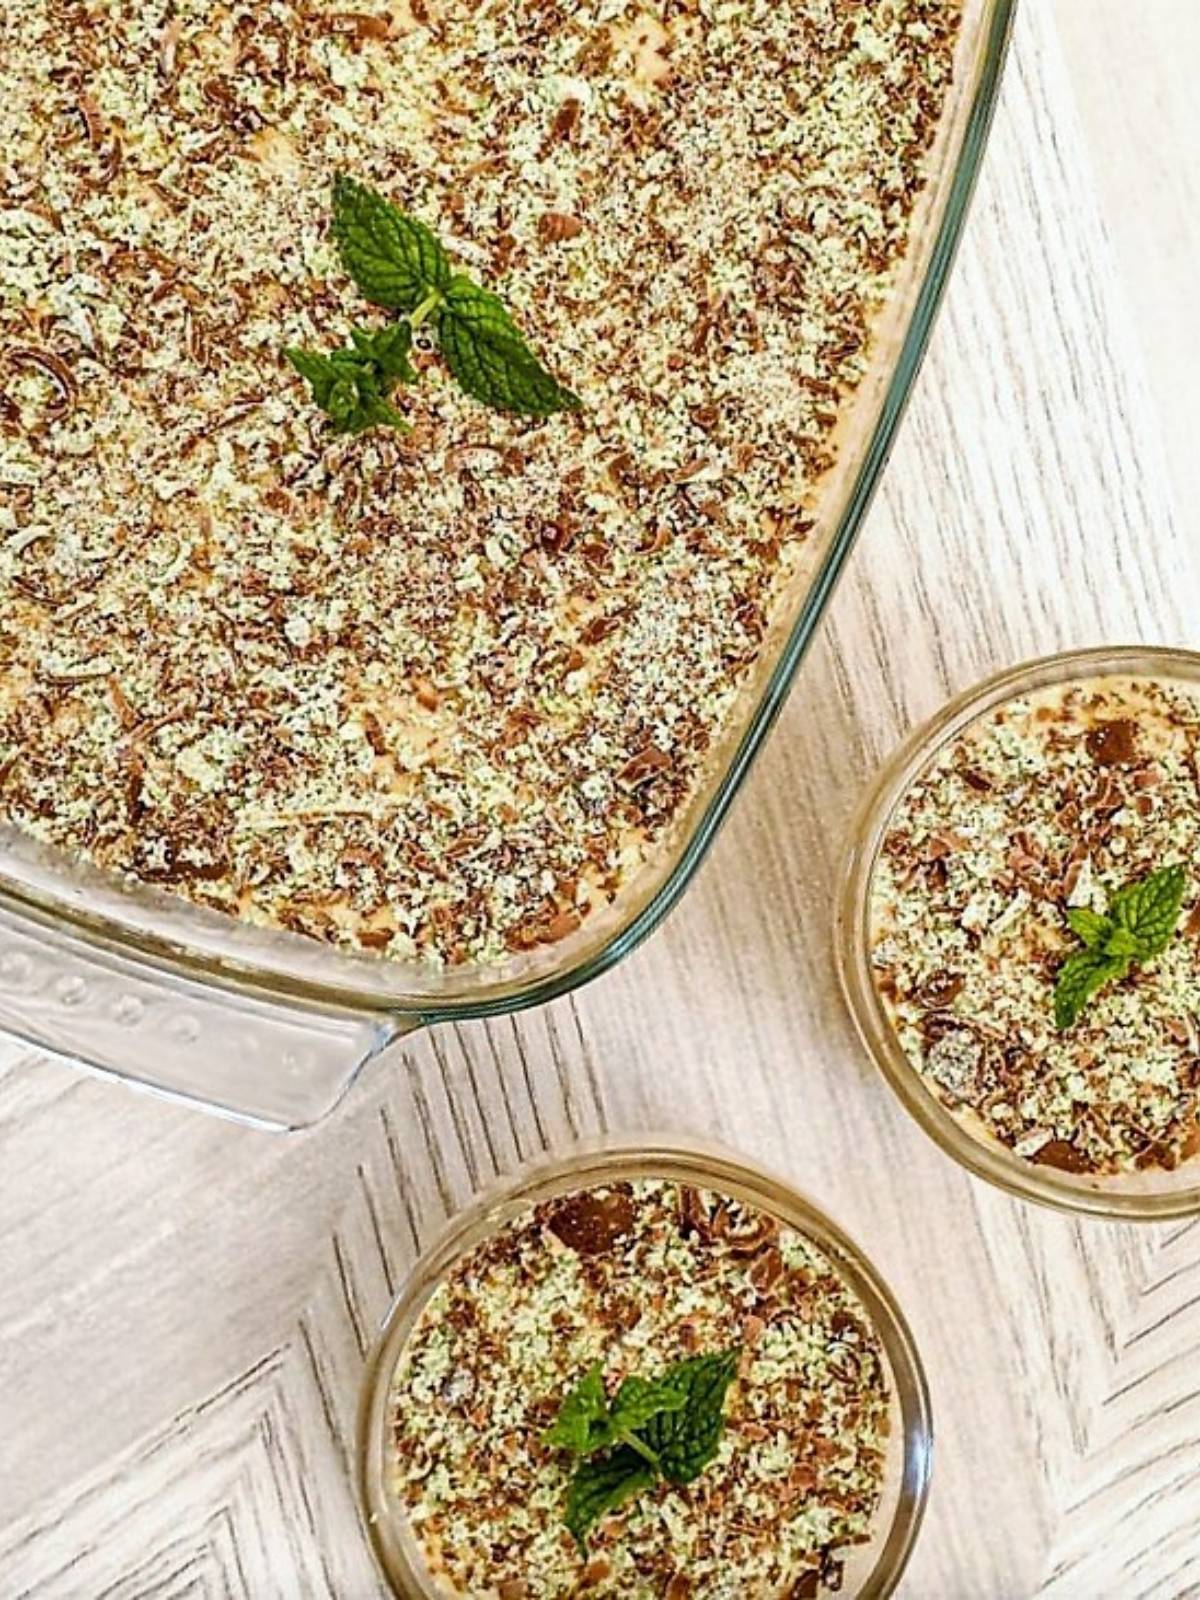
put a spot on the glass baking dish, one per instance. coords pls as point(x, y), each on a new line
point(272, 1027)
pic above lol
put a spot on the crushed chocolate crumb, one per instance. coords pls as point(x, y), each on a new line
point(1065, 1157)
point(592, 1221)
point(1113, 743)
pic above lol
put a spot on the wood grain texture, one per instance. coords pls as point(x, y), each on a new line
point(185, 1305)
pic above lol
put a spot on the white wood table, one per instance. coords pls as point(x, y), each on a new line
point(184, 1304)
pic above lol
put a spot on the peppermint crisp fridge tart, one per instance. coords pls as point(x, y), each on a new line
point(437, 694)
point(652, 1375)
point(1020, 936)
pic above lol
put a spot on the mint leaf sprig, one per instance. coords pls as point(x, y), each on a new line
point(352, 386)
point(1140, 925)
point(667, 1427)
point(400, 264)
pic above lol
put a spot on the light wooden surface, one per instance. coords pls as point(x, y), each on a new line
point(184, 1304)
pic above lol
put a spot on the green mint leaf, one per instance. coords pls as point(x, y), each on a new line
point(375, 412)
point(601, 1486)
point(583, 1424)
point(685, 1440)
point(349, 389)
point(586, 1424)
point(1121, 942)
point(489, 358)
point(639, 1400)
point(1080, 978)
point(320, 371)
point(1143, 917)
point(397, 262)
point(394, 259)
point(665, 1427)
point(1148, 910)
point(1089, 926)
point(387, 350)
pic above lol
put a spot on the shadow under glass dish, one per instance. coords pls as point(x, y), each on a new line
point(272, 1027)
point(1152, 1195)
point(873, 1569)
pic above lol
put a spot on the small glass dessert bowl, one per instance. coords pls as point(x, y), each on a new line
point(1018, 930)
point(648, 1372)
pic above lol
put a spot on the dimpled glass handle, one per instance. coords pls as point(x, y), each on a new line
point(272, 1062)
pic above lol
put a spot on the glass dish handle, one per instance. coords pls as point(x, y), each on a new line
point(273, 1062)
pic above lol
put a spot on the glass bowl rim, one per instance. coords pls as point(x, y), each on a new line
point(614, 1159)
point(989, 1161)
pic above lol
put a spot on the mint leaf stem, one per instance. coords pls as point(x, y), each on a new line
point(427, 307)
point(643, 1449)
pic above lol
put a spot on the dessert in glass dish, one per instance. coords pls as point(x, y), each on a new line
point(1020, 929)
point(423, 660)
point(648, 1373)
point(313, 729)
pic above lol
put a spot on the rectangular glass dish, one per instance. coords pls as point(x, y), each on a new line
point(273, 1027)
